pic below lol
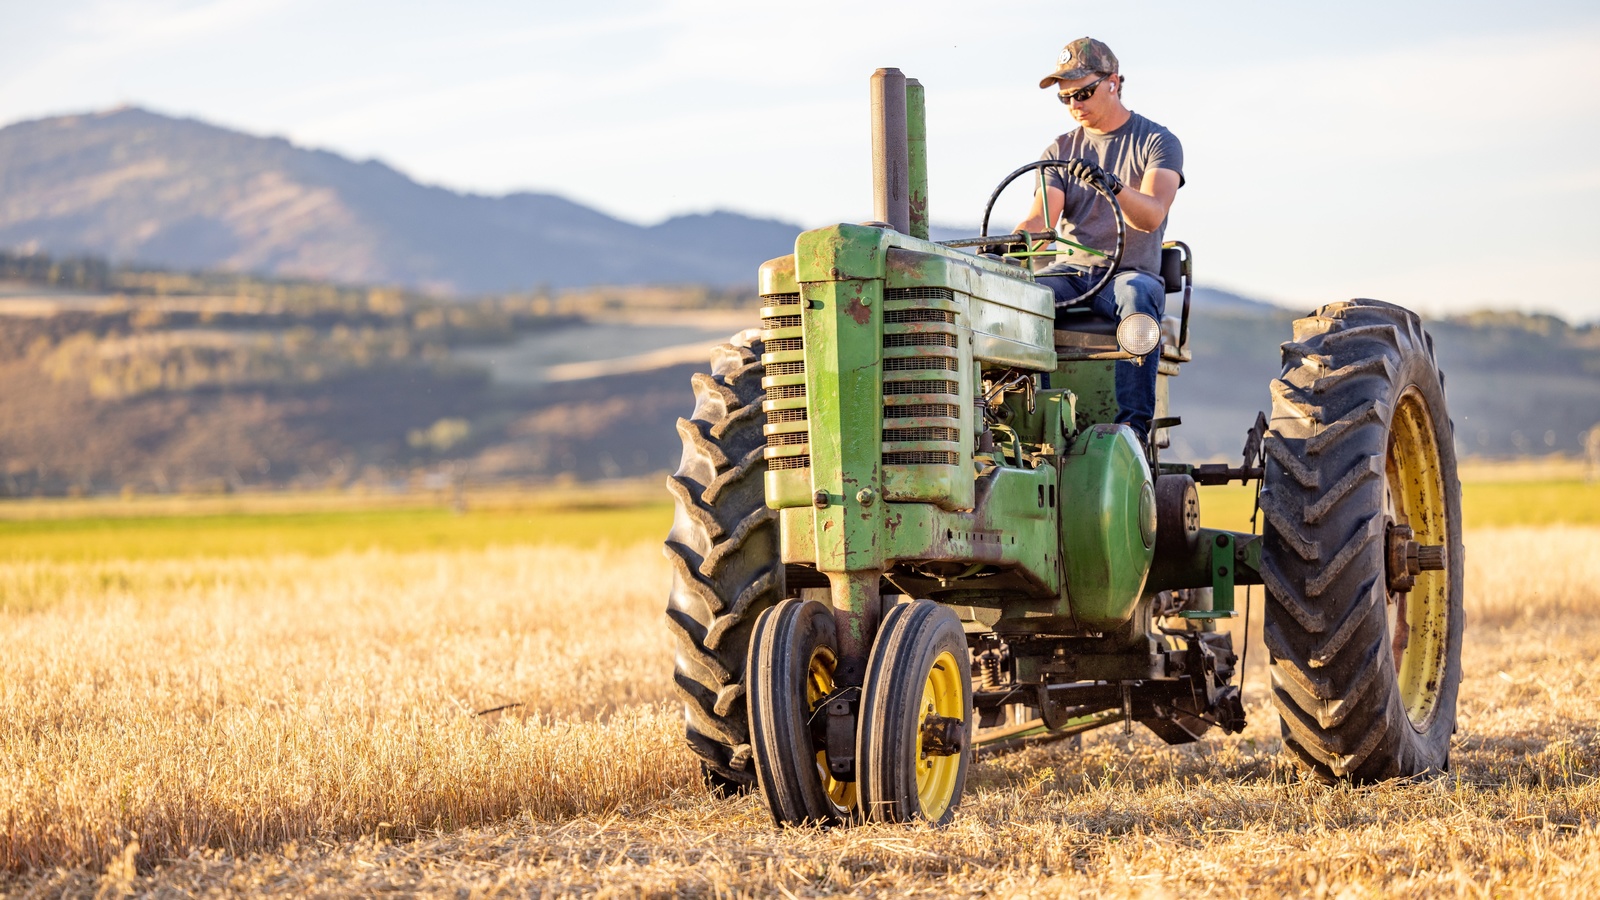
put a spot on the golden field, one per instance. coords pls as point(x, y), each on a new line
point(309, 723)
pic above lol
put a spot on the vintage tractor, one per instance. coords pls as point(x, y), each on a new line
point(907, 528)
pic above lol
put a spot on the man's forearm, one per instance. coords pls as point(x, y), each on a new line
point(1145, 207)
point(1144, 212)
point(1033, 224)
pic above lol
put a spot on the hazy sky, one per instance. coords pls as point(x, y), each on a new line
point(1441, 155)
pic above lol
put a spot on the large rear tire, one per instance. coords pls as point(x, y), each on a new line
point(913, 740)
point(723, 547)
point(793, 655)
point(1364, 672)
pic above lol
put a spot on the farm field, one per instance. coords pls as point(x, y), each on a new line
point(320, 524)
point(410, 700)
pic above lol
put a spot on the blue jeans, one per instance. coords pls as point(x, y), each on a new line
point(1128, 293)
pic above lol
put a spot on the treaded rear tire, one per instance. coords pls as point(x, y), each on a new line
point(1334, 674)
point(723, 547)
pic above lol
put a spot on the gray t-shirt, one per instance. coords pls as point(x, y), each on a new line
point(1137, 147)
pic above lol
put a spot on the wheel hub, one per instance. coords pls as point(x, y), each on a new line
point(1405, 558)
point(942, 735)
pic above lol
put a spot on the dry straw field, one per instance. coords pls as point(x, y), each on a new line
point(309, 724)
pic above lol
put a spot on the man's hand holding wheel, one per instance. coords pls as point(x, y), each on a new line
point(1092, 175)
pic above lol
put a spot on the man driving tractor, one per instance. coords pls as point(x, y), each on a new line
point(1142, 164)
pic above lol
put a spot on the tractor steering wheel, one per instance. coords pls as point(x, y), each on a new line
point(1096, 183)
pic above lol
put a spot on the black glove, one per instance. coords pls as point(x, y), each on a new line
point(1091, 174)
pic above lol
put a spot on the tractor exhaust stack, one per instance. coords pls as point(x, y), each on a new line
point(891, 194)
point(917, 157)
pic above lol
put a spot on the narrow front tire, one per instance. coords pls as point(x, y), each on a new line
point(793, 654)
point(914, 737)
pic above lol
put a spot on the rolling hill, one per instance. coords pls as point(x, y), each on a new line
point(136, 186)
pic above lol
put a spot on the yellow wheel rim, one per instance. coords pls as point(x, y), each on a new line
point(819, 684)
point(1419, 621)
point(936, 775)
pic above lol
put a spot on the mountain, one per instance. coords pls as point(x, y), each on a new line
point(134, 185)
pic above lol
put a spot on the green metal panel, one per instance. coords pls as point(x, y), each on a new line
point(776, 276)
point(1107, 525)
point(795, 538)
point(841, 293)
point(1013, 525)
point(845, 408)
point(1010, 317)
point(1051, 422)
point(1094, 383)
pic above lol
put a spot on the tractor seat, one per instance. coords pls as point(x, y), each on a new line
point(1080, 327)
point(1083, 318)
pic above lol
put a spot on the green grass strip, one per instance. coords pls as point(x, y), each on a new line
point(319, 534)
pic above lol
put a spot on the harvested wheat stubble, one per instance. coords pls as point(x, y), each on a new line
point(238, 704)
point(274, 726)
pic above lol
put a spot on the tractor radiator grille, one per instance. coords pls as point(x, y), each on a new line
point(922, 434)
point(919, 334)
point(789, 462)
point(926, 386)
point(783, 370)
point(895, 316)
point(919, 293)
point(920, 363)
point(922, 458)
point(792, 415)
point(919, 339)
point(917, 411)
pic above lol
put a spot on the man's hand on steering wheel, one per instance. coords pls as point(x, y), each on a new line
point(1091, 174)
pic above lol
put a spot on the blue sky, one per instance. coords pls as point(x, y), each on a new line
point(1441, 155)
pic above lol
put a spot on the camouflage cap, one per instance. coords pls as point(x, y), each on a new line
point(1081, 57)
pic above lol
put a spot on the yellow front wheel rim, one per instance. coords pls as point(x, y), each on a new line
point(936, 775)
point(819, 684)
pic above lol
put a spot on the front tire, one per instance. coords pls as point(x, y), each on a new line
point(793, 655)
point(1364, 672)
point(913, 741)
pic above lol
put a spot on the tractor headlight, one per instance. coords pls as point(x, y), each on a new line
point(1138, 334)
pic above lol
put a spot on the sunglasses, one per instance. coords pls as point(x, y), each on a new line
point(1082, 94)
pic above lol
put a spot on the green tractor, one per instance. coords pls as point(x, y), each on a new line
point(907, 530)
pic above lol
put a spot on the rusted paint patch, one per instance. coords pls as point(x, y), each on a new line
point(907, 267)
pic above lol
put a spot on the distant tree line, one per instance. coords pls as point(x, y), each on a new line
point(87, 273)
point(305, 297)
